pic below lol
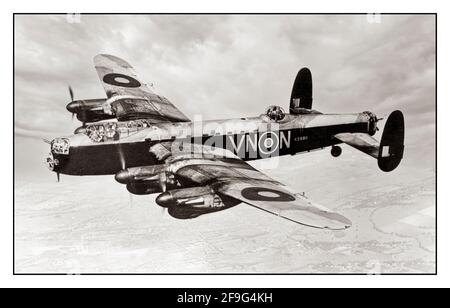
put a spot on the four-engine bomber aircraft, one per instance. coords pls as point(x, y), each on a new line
point(199, 167)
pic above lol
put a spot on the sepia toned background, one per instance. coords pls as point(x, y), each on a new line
point(227, 66)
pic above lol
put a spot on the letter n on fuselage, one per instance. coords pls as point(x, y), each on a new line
point(285, 142)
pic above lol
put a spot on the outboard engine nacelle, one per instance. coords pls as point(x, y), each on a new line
point(89, 110)
point(194, 198)
point(192, 202)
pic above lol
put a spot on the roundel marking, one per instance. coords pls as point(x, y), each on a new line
point(121, 80)
point(265, 194)
point(268, 144)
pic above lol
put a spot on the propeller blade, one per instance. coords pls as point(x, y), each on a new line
point(384, 116)
point(130, 196)
point(163, 181)
point(71, 98)
point(121, 156)
point(57, 176)
point(71, 93)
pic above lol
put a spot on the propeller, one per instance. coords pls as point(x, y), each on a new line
point(57, 176)
point(163, 181)
point(123, 166)
point(71, 93)
point(121, 156)
point(71, 98)
point(130, 196)
point(380, 119)
point(163, 185)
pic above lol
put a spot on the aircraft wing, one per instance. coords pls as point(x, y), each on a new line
point(230, 176)
point(129, 97)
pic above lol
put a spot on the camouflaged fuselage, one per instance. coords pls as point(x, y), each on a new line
point(92, 152)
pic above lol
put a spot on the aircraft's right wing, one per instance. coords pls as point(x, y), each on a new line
point(275, 198)
point(229, 175)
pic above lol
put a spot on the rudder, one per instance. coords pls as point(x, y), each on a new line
point(392, 142)
point(301, 96)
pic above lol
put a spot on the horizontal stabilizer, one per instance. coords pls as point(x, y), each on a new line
point(388, 152)
point(362, 142)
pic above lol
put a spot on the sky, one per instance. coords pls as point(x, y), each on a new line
point(225, 66)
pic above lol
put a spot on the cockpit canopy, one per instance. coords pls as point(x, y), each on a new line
point(112, 131)
point(275, 113)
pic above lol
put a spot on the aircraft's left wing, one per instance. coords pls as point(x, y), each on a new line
point(129, 97)
point(233, 177)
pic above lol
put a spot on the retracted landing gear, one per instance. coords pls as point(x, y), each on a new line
point(336, 151)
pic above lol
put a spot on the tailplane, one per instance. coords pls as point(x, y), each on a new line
point(389, 151)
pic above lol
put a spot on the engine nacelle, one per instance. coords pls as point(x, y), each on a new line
point(136, 174)
point(89, 110)
point(143, 180)
point(192, 202)
point(144, 188)
point(195, 197)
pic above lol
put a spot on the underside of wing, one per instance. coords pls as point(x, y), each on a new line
point(235, 178)
point(277, 200)
point(129, 97)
